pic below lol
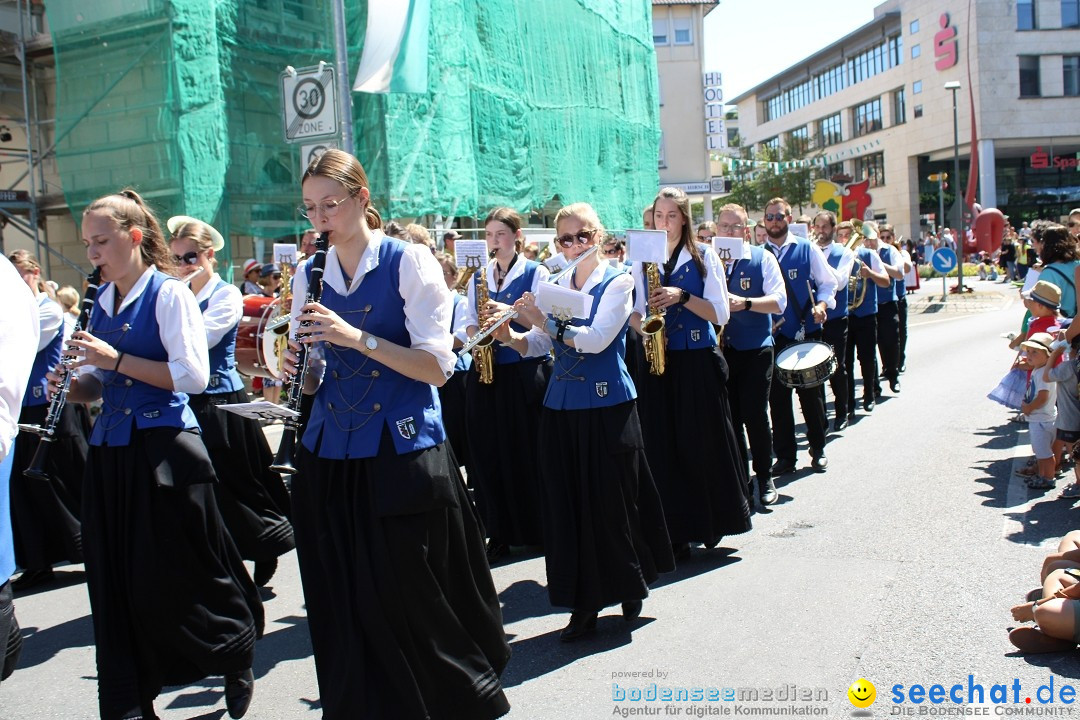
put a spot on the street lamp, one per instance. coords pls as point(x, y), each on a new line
point(954, 85)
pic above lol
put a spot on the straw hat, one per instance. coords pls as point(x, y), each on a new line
point(178, 220)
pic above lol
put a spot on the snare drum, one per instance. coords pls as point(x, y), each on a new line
point(805, 364)
point(256, 344)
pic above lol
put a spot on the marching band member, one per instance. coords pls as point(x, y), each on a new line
point(862, 320)
point(755, 293)
point(505, 475)
point(888, 318)
point(835, 329)
point(702, 502)
point(888, 236)
point(252, 499)
point(45, 514)
point(604, 532)
point(170, 597)
point(403, 614)
point(811, 287)
point(452, 394)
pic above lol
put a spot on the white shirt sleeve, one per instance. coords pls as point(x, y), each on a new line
point(641, 296)
point(223, 312)
point(822, 272)
point(772, 280)
point(180, 327)
point(539, 343)
point(19, 335)
point(843, 270)
point(459, 327)
point(50, 322)
point(875, 262)
point(612, 310)
point(716, 285)
point(427, 305)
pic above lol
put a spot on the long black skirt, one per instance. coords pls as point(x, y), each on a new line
point(252, 499)
point(692, 447)
point(503, 418)
point(452, 399)
point(171, 600)
point(45, 513)
point(605, 537)
point(404, 618)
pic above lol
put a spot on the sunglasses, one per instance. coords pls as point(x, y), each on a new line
point(775, 216)
point(583, 237)
point(188, 258)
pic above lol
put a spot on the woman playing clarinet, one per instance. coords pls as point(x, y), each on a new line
point(171, 600)
point(404, 618)
point(252, 498)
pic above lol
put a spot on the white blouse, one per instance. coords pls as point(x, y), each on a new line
point(715, 283)
point(224, 310)
point(19, 333)
point(542, 274)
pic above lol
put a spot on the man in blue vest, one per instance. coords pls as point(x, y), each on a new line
point(755, 293)
point(835, 330)
point(811, 290)
point(888, 318)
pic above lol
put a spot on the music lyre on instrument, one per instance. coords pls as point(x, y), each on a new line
point(36, 470)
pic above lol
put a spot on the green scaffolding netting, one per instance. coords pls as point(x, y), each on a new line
point(527, 101)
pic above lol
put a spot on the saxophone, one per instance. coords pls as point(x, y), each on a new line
point(652, 327)
point(484, 352)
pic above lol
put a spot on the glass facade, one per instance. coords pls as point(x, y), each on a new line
point(829, 131)
point(867, 118)
point(872, 168)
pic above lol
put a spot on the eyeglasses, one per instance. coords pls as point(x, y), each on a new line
point(329, 209)
point(611, 251)
point(728, 227)
point(1074, 223)
point(770, 217)
point(188, 258)
point(583, 237)
point(704, 238)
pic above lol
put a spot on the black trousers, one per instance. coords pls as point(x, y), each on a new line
point(862, 335)
point(783, 414)
point(901, 347)
point(749, 380)
point(835, 332)
point(888, 340)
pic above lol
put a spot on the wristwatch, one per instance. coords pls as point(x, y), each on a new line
point(370, 344)
point(684, 297)
point(749, 303)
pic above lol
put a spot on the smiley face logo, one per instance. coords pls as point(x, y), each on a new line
point(862, 693)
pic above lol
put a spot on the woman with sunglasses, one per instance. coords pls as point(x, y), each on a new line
point(403, 614)
point(253, 500)
point(502, 415)
point(604, 532)
point(171, 600)
point(704, 494)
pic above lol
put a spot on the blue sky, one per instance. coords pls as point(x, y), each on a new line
point(749, 41)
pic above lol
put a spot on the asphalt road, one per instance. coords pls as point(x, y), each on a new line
point(898, 565)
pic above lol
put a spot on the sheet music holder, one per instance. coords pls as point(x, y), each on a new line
point(648, 246)
point(563, 303)
point(260, 410)
point(470, 254)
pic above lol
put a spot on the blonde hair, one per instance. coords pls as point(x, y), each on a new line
point(583, 212)
point(25, 261)
point(68, 297)
point(129, 211)
point(346, 170)
point(418, 234)
point(199, 234)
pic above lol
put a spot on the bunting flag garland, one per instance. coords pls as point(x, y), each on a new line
point(740, 165)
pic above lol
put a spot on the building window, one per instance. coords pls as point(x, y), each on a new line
point(872, 168)
point(1025, 15)
point(660, 31)
point(773, 146)
point(899, 107)
point(917, 111)
point(1070, 13)
point(799, 139)
point(829, 131)
point(867, 118)
point(683, 31)
point(916, 51)
point(1029, 76)
point(832, 170)
point(1070, 65)
point(914, 27)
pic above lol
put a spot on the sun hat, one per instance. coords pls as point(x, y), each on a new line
point(1045, 293)
point(251, 264)
point(178, 220)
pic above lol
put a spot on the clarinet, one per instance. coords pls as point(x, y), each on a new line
point(285, 460)
point(36, 471)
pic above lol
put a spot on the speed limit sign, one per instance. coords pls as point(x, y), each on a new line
point(308, 102)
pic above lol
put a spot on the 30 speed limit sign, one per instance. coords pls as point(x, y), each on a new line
point(308, 102)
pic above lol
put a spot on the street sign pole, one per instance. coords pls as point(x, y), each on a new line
point(341, 57)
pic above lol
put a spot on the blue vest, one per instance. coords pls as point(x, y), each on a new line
point(224, 378)
point(834, 254)
point(582, 381)
point(684, 329)
point(46, 359)
point(127, 403)
point(798, 278)
point(360, 396)
point(869, 303)
point(887, 294)
point(509, 294)
point(464, 362)
point(748, 330)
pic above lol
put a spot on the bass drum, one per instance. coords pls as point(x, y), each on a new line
point(805, 364)
point(257, 353)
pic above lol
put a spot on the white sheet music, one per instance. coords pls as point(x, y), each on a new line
point(260, 410)
point(470, 253)
point(563, 303)
point(646, 246)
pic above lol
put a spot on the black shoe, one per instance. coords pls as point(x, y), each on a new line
point(681, 551)
point(868, 404)
point(631, 610)
point(32, 578)
point(239, 687)
point(767, 491)
point(902, 369)
point(781, 467)
point(264, 570)
point(894, 385)
point(581, 624)
point(496, 550)
point(840, 423)
point(819, 463)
